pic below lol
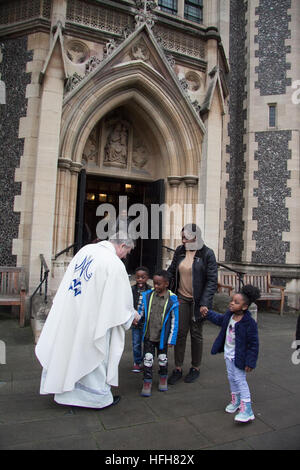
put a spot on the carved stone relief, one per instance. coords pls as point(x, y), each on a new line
point(91, 149)
point(140, 155)
point(116, 147)
point(139, 51)
point(77, 52)
point(193, 81)
point(117, 143)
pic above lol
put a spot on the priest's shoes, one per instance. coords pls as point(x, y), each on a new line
point(116, 400)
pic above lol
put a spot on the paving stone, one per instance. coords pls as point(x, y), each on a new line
point(69, 443)
point(280, 412)
point(129, 412)
point(283, 439)
point(236, 445)
point(166, 434)
point(29, 407)
point(219, 427)
point(15, 434)
point(188, 416)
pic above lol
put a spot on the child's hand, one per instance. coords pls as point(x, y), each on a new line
point(136, 319)
point(203, 311)
point(248, 369)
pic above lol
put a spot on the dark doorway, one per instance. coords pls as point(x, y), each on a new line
point(95, 190)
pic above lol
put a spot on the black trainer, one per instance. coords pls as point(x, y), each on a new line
point(116, 400)
point(176, 375)
point(192, 375)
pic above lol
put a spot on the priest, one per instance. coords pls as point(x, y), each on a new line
point(83, 338)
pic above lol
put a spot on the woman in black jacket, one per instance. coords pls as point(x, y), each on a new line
point(194, 279)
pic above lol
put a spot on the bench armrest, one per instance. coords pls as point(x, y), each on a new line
point(271, 286)
point(230, 288)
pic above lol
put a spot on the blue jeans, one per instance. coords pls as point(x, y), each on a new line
point(237, 380)
point(137, 335)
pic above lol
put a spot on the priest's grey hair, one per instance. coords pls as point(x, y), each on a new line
point(121, 238)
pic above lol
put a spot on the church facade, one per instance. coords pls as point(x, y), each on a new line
point(188, 103)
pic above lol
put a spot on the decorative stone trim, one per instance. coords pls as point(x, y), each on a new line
point(234, 226)
point(272, 69)
point(98, 17)
point(190, 180)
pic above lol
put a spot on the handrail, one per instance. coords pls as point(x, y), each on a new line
point(168, 248)
point(65, 250)
point(44, 273)
point(44, 264)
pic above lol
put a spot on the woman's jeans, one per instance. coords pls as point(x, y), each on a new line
point(137, 345)
point(237, 380)
point(186, 324)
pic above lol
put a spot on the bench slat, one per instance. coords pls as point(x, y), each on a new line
point(12, 288)
point(262, 281)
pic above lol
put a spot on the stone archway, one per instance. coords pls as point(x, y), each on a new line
point(168, 120)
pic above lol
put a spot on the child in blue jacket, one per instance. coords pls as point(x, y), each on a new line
point(238, 339)
point(160, 307)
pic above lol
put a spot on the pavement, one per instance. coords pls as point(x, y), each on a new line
point(188, 417)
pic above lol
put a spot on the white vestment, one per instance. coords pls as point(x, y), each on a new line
point(83, 338)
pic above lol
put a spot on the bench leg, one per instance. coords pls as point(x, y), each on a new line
point(22, 311)
point(281, 305)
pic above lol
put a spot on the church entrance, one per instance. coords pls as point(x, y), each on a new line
point(95, 190)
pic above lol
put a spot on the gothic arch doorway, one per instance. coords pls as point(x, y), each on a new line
point(96, 190)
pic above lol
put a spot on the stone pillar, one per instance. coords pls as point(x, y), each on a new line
point(180, 7)
point(65, 213)
point(191, 183)
point(45, 179)
point(59, 11)
point(212, 48)
point(60, 239)
point(174, 182)
point(75, 169)
point(211, 13)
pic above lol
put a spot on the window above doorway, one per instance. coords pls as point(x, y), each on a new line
point(168, 6)
point(193, 10)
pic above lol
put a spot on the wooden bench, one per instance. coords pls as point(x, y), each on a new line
point(12, 289)
point(229, 282)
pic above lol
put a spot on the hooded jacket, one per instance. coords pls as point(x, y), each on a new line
point(170, 317)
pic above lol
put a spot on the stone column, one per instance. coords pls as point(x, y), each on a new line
point(64, 227)
point(191, 183)
point(45, 178)
point(180, 7)
point(211, 13)
point(75, 169)
point(60, 238)
point(174, 182)
point(59, 11)
point(212, 48)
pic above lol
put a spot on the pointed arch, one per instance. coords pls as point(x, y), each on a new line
point(175, 126)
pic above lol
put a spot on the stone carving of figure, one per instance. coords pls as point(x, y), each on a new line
point(139, 155)
point(90, 149)
point(116, 148)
